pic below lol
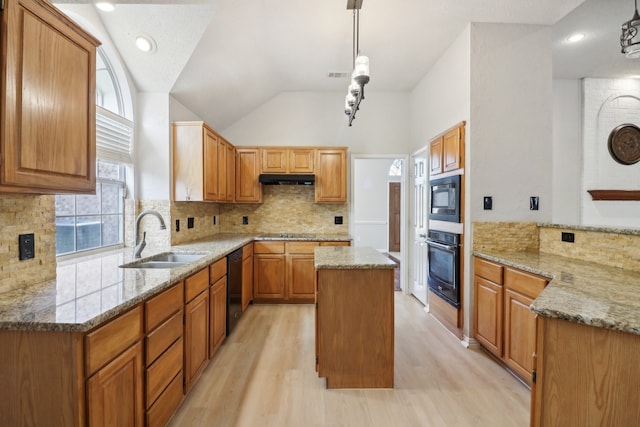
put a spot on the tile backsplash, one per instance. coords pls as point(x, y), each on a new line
point(20, 214)
point(505, 236)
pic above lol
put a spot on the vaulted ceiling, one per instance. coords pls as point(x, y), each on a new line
point(224, 58)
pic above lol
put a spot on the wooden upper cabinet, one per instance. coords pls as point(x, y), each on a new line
point(331, 175)
point(288, 160)
point(48, 128)
point(446, 152)
point(435, 156)
point(248, 188)
point(203, 163)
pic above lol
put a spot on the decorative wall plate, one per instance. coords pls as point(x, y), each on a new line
point(624, 144)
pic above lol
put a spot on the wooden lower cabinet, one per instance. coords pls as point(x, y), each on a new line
point(218, 314)
point(488, 314)
point(247, 275)
point(268, 277)
point(114, 393)
point(519, 333)
point(300, 278)
point(196, 338)
point(162, 411)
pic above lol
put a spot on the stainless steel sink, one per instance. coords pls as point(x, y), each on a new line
point(165, 260)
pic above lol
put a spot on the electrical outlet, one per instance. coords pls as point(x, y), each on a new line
point(177, 225)
point(337, 220)
point(27, 246)
point(245, 220)
point(190, 222)
point(487, 202)
point(568, 237)
point(534, 203)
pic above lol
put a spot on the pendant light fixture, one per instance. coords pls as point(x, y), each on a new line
point(630, 37)
point(360, 74)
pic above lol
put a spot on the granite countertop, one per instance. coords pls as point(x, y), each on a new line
point(90, 290)
point(350, 258)
point(579, 291)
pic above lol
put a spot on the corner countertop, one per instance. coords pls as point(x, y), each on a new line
point(92, 289)
point(579, 291)
point(350, 258)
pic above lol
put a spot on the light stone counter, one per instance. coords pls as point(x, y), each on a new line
point(579, 291)
point(349, 258)
point(90, 290)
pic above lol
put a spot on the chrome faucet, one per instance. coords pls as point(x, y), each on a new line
point(137, 251)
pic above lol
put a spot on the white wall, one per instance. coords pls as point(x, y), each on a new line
point(317, 118)
point(179, 112)
point(370, 207)
point(153, 147)
point(441, 99)
point(567, 151)
point(511, 111)
point(607, 104)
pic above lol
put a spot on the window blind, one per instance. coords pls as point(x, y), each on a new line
point(114, 136)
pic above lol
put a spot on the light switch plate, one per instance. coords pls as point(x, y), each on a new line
point(27, 246)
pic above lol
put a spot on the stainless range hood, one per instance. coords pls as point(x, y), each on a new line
point(286, 179)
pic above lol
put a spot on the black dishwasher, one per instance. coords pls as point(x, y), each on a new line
point(234, 289)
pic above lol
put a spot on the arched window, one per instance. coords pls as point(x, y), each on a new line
point(396, 168)
point(85, 222)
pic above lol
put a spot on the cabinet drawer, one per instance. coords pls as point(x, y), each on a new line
point(107, 342)
point(487, 269)
point(195, 284)
point(159, 308)
point(159, 375)
point(341, 243)
point(163, 337)
point(525, 283)
point(300, 247)
point(268, 247)
point(247, 251)
point(161, 411)
point(217, 270)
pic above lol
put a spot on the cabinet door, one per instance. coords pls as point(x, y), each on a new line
point(274, 160)
point(301, 278)
point(196, 338)
point(488, 315)
point(231, 173)
point(301, 160)
point(218, 315)
point(248, 188)
point(269, 276)
point(48, 128)
point(211, 178)
point(451, 159)
point(222, 170)
point(247, 279)
point(519, 333)
point(435, 156)
point(331, 176)
point(114, 393)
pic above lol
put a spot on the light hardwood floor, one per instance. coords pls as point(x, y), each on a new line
point(264, 375)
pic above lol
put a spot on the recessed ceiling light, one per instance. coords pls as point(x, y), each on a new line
point(145, 44)
point(575, 37)
point(105, 6)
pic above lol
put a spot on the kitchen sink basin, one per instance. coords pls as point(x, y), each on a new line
point(165, 260)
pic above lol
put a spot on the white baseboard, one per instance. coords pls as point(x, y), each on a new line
point(468, 342)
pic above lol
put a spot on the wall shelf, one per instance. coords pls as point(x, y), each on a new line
point(614, 194)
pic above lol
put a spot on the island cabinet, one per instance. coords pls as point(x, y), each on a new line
point(203, 164)
point(354, 317)
point(48, 122)
point(504, 325)
point(218, 305)
point(585, 376)
point(164, 316)
point(248, 187)
point(196, 326)
point(247, 275)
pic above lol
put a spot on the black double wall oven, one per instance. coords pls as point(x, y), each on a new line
point(443, 257)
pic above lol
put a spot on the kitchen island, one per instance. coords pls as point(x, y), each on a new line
point(354, 317)
point(587, 340)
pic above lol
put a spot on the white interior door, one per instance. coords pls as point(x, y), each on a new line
point(419, 226)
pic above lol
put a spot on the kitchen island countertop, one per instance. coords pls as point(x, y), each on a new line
point(92, 289)
point(350, 257)
point(579, 291)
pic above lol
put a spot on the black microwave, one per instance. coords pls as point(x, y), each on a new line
point(444, 199)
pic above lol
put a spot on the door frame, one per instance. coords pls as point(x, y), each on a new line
point(404, 230)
